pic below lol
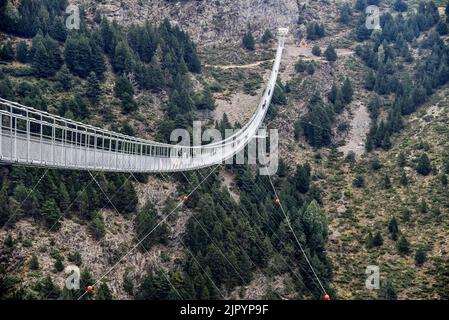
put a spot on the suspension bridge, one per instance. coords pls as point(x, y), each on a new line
point(33, 137)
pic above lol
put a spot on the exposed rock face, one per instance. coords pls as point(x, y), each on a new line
point(209, 22)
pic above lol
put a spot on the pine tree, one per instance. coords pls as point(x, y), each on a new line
point(122, 60)
point(420, 257)
point(360, 5)
point(128, 285)
point(387, 182)
point(334, 93)
point(191, 58)
point(444, 180)
point(103, 292)
point(267, 36)
point(393, 228)
point(378, 240)
point(310, 69)
point(359, 181)
point(424, 166)
point(146, 220)
point(97, 61)
point(96, 227)
point(22, 52)
point(345, 14)
point(7, 52)
point(64, 198)
point(402, 160)
point(57, 30)
point(28, 200)
point(54, 52)
point(51, 214)
point(387, 292)
point(404, 179)
point(41, 60)
point(330, 53)
point(205, 101)
point(369, 241)
point(347, 91)
point(248, 41)
point(315, 31)
point(369, 80)
point(86, 280)
point(316, 51)
point(442, 28)
point(400, 6)
point(403, 245)
point(47, 289)
point(59, 265)
point(125, 92)
point(93, 89)
point(109, 36)
point(300, 66)
point(34, 263)
point(75, 258)
point(64, 78)
point(154, 78)
point(5, 211)
point(302, 178)
point(82, 204)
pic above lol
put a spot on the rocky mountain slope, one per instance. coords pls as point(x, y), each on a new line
point(356, 211)
point(209, 22)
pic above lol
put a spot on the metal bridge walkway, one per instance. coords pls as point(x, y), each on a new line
point(36, 138)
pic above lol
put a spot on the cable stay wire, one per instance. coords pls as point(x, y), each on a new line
point(138, 236)
point(294, 272)
point(218, 247)
point(247, 215)
point(54, 224)
point(148, 234)
point(27, 196)
point(109, 200)
point(100, 243)
point(296, 238)
point(221, 223)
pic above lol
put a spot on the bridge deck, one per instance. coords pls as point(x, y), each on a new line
point(36, 138)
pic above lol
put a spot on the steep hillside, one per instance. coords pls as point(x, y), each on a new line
point(210, 22)
point(361, 114)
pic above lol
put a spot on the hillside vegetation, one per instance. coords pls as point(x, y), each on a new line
point(361, 114)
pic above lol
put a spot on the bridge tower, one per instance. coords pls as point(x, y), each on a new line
point(282, 33)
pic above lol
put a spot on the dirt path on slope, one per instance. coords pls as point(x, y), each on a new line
point(238, 66)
